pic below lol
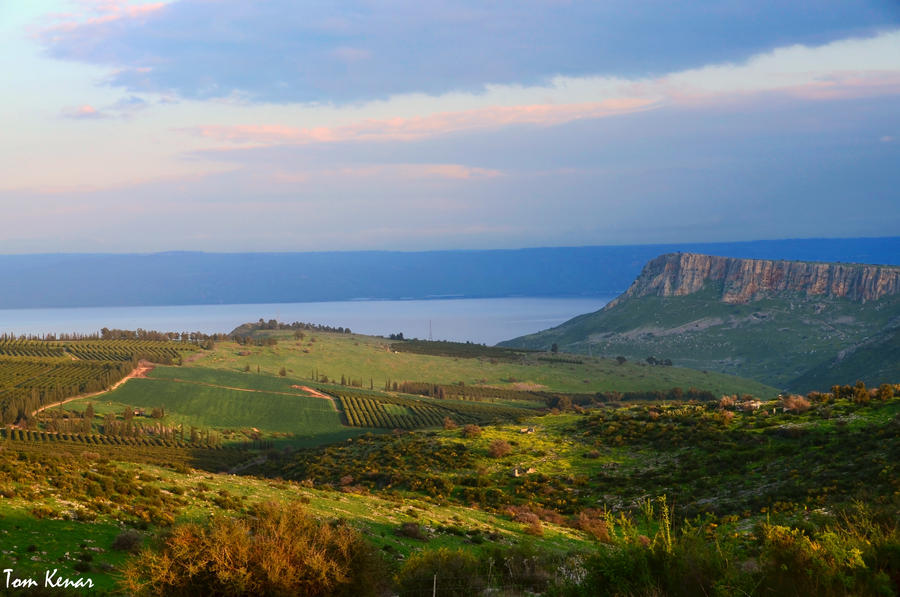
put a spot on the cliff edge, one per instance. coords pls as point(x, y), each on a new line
point(746, 280)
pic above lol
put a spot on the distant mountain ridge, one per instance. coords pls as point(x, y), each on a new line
point(192, 278)
point(793, 324)
point(746, 280)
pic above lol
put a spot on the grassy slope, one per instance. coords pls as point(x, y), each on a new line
point(876, 360)
point(369, 358)
point(58, 543)
point(613, 458)
point(772, 340)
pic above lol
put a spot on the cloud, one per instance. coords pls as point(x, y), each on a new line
point(854, 68)
point(129, 104)
point(410, 172)
point(845, 68)
point(774, 169)
point(83, 112)
point(123, 108)
point(492, 117)
point(99, 12)
point(284, 51)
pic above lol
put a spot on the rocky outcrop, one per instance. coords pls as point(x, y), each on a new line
point(746, 280)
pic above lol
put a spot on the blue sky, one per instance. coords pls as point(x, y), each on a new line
point(281, 125)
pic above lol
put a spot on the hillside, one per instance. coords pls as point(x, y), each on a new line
point(374, 360)
point(515, 480)
point(785, 323)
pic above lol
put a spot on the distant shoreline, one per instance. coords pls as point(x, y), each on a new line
point(480, 320)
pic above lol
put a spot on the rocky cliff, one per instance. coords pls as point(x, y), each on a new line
point(745, 280)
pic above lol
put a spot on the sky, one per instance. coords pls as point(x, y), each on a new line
point(288, 125)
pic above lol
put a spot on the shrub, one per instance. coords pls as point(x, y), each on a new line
point(795, 403)
point(534, 528)
point(594, 524)
point(499, 448)
point(127, 540)
point(278, 549)
point(454, 573)
point(411, 530)
point(449, 423)
point(471, 431)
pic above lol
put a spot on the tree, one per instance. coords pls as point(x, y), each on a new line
point(88, 418)
point(554, 348)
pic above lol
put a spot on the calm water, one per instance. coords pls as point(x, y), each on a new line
point(486, 321)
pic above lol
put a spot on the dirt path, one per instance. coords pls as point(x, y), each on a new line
point(244, 466)
point(313, 392)
point(306, 390)
point(142, 369)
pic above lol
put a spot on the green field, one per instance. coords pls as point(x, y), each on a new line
point(187, 399)
point(371, 361)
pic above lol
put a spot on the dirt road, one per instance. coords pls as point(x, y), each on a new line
point(142, 369)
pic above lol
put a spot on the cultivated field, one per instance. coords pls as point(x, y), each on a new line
point(371, 361)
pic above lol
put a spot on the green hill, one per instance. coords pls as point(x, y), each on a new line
point(786, 324)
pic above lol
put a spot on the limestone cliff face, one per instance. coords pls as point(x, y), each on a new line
point(745, 280)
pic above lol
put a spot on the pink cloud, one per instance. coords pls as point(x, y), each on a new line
point(846, 85)
point(85, 112)
point(407, 129)
point(372, 172)
point(415, 171)
point(823, 86)
point(101, 11)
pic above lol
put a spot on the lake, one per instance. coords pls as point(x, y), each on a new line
point(485, 321)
